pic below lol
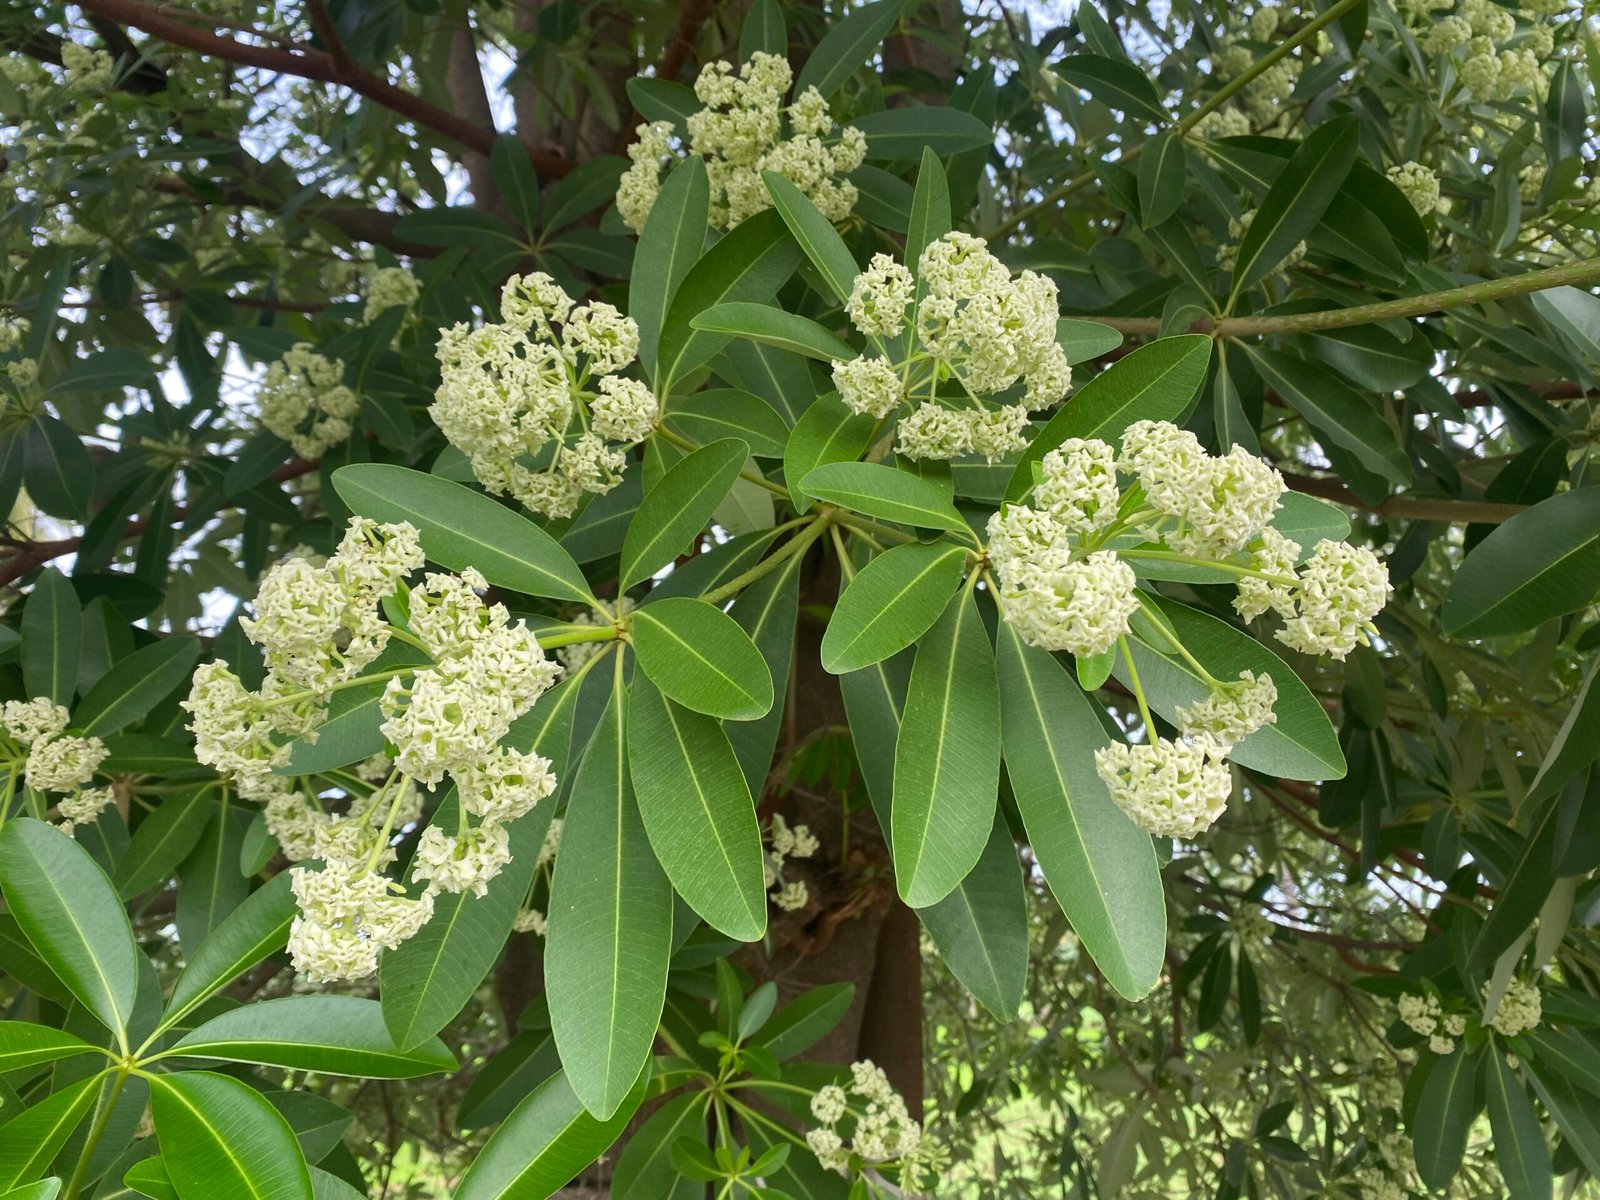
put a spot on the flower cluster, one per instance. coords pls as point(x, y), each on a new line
point(1228, 255)
point(1520, 1008)
point(975, 331)
point(390, 287)
point(1480, 43)
point(320, 625)
point(1426, 1017)
point(87, 69)
point(739, 132)
point(1065, 582)
point(1418, 184)
point(787, 842)
point(304, 401)
point(882, 1131)
point(56, 760)
point(536, 401)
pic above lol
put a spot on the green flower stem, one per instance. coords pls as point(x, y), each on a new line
point(795, 545)
point(96, 1131)
point(572, 635)
point(342, 685)
point(759, 1118)
point(1160, 622)
point(1231, 568)
point(1137, 689)
point(1221, 97)
point(683, 443)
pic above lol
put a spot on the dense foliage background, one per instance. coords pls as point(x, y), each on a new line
point(1358, 239)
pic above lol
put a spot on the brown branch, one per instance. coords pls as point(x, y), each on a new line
point(318, 66)
point(1421, 508)
point(327, 33)
point(678, 48)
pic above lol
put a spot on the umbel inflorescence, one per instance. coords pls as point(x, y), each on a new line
point(1066, 581)
point(537, 401)
point(740, 134)
point(321, 627)
point(960, 328)
point(53, 761)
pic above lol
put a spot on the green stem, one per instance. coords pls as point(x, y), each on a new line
point(1222, 96)
point(572, 635)
point(795, 545)
point(96, 1132)
point(1159, 620)
point(1231, 568)
point(683, 443)
point(1137, 689)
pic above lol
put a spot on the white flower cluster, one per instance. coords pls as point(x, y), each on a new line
point(1418, 184)
point(1425, 1016)
point(87, 69)
point(390, 287)
point(536, 401)
point(1520, 1009)
point(57, 761)
point(739, 132)
point(1328, 606)
point(1476, 42)
point(787, 842)
point(319, 626)
point(883, 1133)
point(13, 332)
point(974, 325)
point(304, 401)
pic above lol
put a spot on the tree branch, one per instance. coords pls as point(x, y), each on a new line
point(1421, 508)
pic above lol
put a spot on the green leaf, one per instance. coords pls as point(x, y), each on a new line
point(1115, 83)
point(1444, 1117)
point(57, 469)
point(45, 1189)
point(462, 528)
point(814, 233)
point(663, 100)
point(902, 134)
point(220, 1137)
point(1540, 564)
point(256, 928)
point(52, 638)
point(842, 51)
point(763, 31)
point(24, 1044)
point(699, 656)
point(1576, 744)
point(1085, 340)
point(767, 612)
point(805, 1020)
point(981, 928)
point(1154, 383)
point(1301, 745)
point(70, 912)
point(1519, 1148)
point(1101, 868)
point(515, 180)
point(1344, 416)
point(462, 226)
point(947, 758)
point(645, 1170)
point(750, 263)
point(545, 1143)
point(1162, 176)
point(428, 980)
point(774, 327)
point(1575, 1114)
point(884, 492)
point(673, 236)
point(930, 207)
point(891, 603)
point(676, 510)
point(610, 933)
point(136, 684)
point(827, 432)
point(332, 1035)
point(1297, 199)
point(698, 812)
point(706, 417)
point(103, 371)
point(30, 1140)
point(1526, 885)
point(526, 1061)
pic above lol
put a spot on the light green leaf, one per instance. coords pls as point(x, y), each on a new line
point(884, 492)
point(827, 432)
point(24, 1044)
point(545, 1143)
point(332, 1035)
point(706, 417)
point(902, 134)
point(253, 930)
point(670, 243)
point(981, 928)
point(891, 603)
point(462, 528)
point(814, 233)
point(610, 936)
point(1154, 383)
point(136, 684)
point(699, 656)
point(947, 759)
point(1085, 340)
point(677, 509)
point(774, 327)
point(1540, 564)
point(698, 812)
point(52, 638)
point(220, 1137)
point(1101, 868)
point(70, 912)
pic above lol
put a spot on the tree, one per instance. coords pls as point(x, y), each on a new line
point(795, 600)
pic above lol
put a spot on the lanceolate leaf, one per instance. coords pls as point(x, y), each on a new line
point(255, 929)
point(461, 528)
point(1519, 1149)
point(698, 812)
point(903, 134)
point(670, 243)
point(947, 760)
point(332, 1035)
point(981, 928)
point(610, 930)
point(645, 1170)
point(1115, 83)
point(1154, 383)
point(709, 416)
point(845, 47)
point(24, 1044)
point(52, 638)
point(884, 492)
point(775, 327)
point(1540, 564)
point(136, 684)
point(678, 507)
point(930, 208)
point(1297, 199)
point(31, 1138)
point(1101, 868)
point(220, 1137)
point(767, 612)
point(1339, 413)
point(827, 432)
point(891, 603)
point(816, 236)
point(546, 1142)
point(698, 656)
point(73, 916)
point(1444, 1117)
